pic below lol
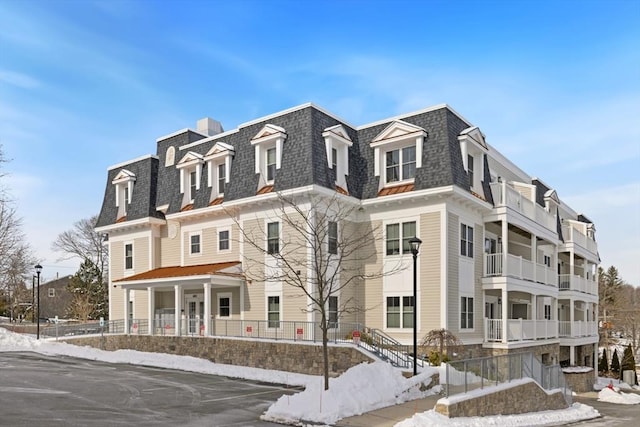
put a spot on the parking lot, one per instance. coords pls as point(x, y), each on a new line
point(62, 391)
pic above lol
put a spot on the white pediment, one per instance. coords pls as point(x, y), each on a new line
point(220, 148)
point(123, 176)
point(397, 130)
point(189, 159)
point(475, 135)
point(267, 132)
point(338, 132)
point(552, 195)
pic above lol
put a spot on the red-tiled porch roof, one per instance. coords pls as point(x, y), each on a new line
point(191, 270)
point(216, 201)
point(341, 190)
point(396, 190)
point(266, 189)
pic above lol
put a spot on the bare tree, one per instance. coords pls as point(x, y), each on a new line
point(83, 242)
point(442, 341)
point(627, 314)
point(320, 250)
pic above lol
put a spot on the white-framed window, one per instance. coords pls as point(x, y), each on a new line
point(473, 147)
point(218, 168)
point(400, 311)
point(337, 143)
point(128, 256)
point(195, 243)
point(547, 311)
point(332, 241)
point(224, 239)
point(466, 312)
point(334, 159)
point(193, 185)
point(400, 164)
point(398, 152)
point(273, 311)
point(332, 312)
point(190, 167)
point(123, 183)
point(268, 145)
point(397, 237)
point(52, 292)
point(224, 305)
point(466, 240)
point(547, 260)
point(470, 168)
point(273, 238)
point(222, 177)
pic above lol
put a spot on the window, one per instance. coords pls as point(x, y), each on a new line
point(128, 256)
point(401, 164)
point(337, 143)
point(333, 237)
point(222, 176)
point(52, 292)
point(470, 169)
point(547, 261)
point(224, 306)
point(271, 164)
point(192, 185)
point(223, 240)
point(126, 195)
point(194, 244)
point(123, 183)
point(547, 311)
point(334, 159)
point(466, 240)
point(273, 311)
point(393, 237)
point(333, 312)
point(466, 313)
point(273, 238)
point(190, 167)
point(400, 316)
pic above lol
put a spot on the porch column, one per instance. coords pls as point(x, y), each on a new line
point(534, 315)
point(572, 355)
point(504, 315)
point(178, 309)
point(207, 309)
point(151, 301)
point(571, 317)
point(242, 291)
point(554, 315)
point(127, 296)
point(571, 266)
point(505, 247)
point(534, 257)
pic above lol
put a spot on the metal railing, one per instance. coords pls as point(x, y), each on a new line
point(283, 330)
point(388, 349)
point(465, 375)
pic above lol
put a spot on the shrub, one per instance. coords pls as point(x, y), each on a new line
point(628, 363)
point(603, 364)
point(615, 363)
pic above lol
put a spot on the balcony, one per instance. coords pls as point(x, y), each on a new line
point(520, 268)
point(575, 236)
point(577, 328)
point(519, 329)
point(505, 195)
point(576, 283)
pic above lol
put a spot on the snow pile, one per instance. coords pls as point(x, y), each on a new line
point(363, 388)
point(576, 412)
point(612, 396)
point(618, 385)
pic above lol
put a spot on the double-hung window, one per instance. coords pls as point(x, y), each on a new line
point(273, 238)
point(470, 167)
point(192, 185)
point(224, 306)
point(223, 240)
point(466, 240)
point(401, 164)
point(333, 237)
point(271, 164)
point(398, 235)
point(400, 312)
point(273, 311)
point(222, 176)
point(194, 244)
point(128, 256)
point(333, 312)
point(466, 313)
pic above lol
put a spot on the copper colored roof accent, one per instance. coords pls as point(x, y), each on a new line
point(266, 189)
point(478, 195)
point(396, 190)
point(191, 270)
point(121, 219)
point(187, 207)
point(341, 190)
point(216, 201)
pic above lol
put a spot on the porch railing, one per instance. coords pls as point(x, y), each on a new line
point(577, 328)
point(574, 282)
point(519, 329)
point(520, 268)
point(505, 195)
point(572, 235)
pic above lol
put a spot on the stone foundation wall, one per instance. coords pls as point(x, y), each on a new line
point(304, 358)
point(520, 399)
point(580, 382)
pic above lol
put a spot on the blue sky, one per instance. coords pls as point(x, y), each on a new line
point(554, 85)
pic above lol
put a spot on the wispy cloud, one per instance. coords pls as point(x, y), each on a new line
point(18, 79)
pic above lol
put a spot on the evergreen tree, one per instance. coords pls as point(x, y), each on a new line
point(628, 363)
point(89, 299)
point(603, 365)
point(615, 363)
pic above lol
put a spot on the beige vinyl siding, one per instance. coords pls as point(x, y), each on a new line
point(453, 259)
point(116, 258)
point(373, 301)
point(141, 255)
point(117, 303)
point(430, 272)
point(352, 294)
point(140, 304)
point(235, 302)
point(294, 247)
point(478, 300)
point(169, 249)
point(194, 259)
point(255, 300)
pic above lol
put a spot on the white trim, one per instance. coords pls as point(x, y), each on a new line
point(128, 271)
point(280, 308)
point(415, 113)
point(200, 244)
point(218, 231)
point(444, 260)
point(225, 295)
point(129, 162)
point(179, 132)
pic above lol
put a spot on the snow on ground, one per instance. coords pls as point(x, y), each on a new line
point(603, 382)
point(613, 396)
point(363, 388)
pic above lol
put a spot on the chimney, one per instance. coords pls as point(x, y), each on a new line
point(209, 126)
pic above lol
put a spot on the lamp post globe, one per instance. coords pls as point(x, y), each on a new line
point(38, 268)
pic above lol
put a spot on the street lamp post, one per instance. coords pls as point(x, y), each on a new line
point(414, 243)
point(33, 299)
point(38, 268)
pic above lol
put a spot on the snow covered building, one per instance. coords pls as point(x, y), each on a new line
point(504, 264)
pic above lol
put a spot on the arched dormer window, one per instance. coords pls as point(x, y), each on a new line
point(337, 143)
point(218, 161)
point(123, 182)
point(190, 167)
point(268, 145)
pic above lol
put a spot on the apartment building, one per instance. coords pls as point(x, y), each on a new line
point(504, 263)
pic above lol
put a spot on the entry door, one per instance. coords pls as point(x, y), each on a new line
point(195, 313)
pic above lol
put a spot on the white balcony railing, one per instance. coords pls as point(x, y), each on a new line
point(520, 329)
point(572, 235)
point(577, 328)
point(505, 195)
point(570, 282)
point(520, 268)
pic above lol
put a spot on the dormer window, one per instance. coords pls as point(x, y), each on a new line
point(268, 145)
point(337, 143)
point(473, 148)
point(398, 153)
point(123, 182)
point(218, 166)
point(190, 167)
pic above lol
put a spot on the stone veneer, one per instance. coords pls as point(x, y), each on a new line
point(580, 382)
point(304, 358)
point(519, 399)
